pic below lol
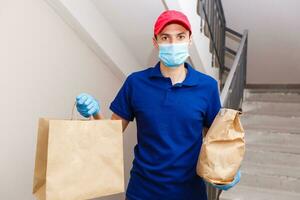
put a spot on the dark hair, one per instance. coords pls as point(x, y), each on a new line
point(155, 36)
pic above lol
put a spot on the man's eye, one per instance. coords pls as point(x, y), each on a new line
point(164, 38)
point(181, 36)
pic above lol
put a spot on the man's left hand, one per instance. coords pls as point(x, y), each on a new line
point(237, 178)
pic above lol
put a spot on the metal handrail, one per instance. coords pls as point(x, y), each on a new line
point(213, 14)
point(233, 85)
point(239, 63)
point(232, 92)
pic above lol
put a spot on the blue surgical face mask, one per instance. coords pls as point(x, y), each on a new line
point(173, 55)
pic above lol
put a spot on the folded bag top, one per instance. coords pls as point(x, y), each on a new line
point(223, 148)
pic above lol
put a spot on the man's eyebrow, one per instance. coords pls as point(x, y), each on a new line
point(165, 34)
point(171, 34)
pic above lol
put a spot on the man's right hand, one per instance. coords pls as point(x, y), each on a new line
point(86, 105)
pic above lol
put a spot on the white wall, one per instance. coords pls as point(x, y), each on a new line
point(135, 28)
point(133, 22)
point(44, 65)
point(274, 42)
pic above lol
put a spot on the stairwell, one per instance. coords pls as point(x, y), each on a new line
point(271, 167)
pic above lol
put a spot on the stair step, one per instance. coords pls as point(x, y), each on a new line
point(271, 123)
point(267, 137)
point(271, 182)
point(272, 170)
point(271, 166)
point(274, 148)
point(272, 108)
point(254, 193)
point(274, 158)
point(286, 171)
point(254, 136)
point(272, 142)
point(262, 95)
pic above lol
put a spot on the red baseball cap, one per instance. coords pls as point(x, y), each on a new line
point(171, 16)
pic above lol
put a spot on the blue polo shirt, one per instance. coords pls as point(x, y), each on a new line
point(169, 121)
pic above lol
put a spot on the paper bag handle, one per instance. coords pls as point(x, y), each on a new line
point(72, 114)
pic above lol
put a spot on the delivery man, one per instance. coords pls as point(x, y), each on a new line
point(172, 103)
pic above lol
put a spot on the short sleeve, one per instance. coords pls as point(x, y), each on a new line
point(121, 105)
point(213, 106)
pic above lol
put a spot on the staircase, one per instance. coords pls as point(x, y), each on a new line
point(271, 167)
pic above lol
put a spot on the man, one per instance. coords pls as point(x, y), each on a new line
point(172, 103)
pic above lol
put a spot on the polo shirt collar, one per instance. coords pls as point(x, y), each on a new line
point(191, 78)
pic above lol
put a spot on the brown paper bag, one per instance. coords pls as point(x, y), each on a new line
point(78, 159)
point(223, 148)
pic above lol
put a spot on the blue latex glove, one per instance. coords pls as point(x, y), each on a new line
point(237, 178)
point(86, 105)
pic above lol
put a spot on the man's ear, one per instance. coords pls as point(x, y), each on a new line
point(154, 42)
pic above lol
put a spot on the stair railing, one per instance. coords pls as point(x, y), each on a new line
point(214, 27)
point(232, 80)
point(233, 89)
